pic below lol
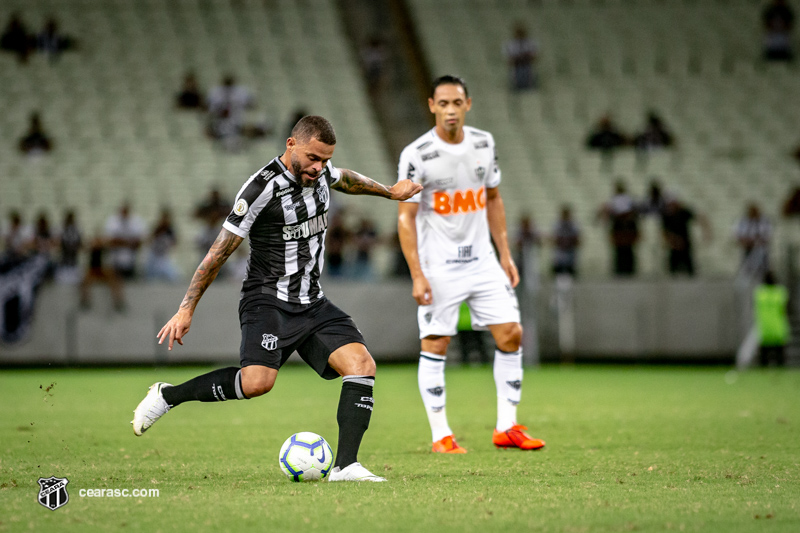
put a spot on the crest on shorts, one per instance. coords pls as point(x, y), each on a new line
point(428, 317)
point(436, 391)
point(322, 192)
point(53, 492)
point(516, 384)
point(269, 341)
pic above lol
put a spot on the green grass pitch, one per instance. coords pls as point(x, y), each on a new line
point(628, 449)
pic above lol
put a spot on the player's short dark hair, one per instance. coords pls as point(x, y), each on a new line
point(447, 79)
point(314, 127)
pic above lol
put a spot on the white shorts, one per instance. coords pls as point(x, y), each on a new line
point(488, 293)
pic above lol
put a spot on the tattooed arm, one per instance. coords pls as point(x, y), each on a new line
point(179, 325)
point(354, 183)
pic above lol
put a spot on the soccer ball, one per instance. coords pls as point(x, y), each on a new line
point(305, 456)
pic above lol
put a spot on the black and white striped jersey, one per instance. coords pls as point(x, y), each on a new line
point(286, 223)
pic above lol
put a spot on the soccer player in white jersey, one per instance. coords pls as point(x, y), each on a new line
point(446, 234)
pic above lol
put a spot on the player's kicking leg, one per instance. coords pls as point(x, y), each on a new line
point(357, 368)
point(508, 380)
point(217, 386)
point(430, 378)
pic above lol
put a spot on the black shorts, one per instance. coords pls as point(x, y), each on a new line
point(272, 331)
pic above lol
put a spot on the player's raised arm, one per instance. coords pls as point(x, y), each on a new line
point(352, 182)
point(178, 326)
point(496, 214)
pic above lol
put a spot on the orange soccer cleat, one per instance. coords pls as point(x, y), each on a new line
point(515, 437)
point(447, 445)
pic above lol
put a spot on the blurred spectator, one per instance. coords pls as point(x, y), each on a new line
point(521, 53)
point(190, 96)
point(623, 220)
point(35, 141)
point(654, 135)
point(470, 341)
point(44, 241)
point(70, 242)
point(778, 22)
point(373, 61)
point(99, 273)
point(566, 240)
point(791, 207)
point(17, 240)
point(527, 241)
point(160, 266)
point(656, 199)
point(51, 42)
point(205, 239)
point(606, 136)
point(676, 229)
point(753, 233)
point(227, 104)
point(214, 208)
point(236, 267)
point(16, 38)
point(771, 301)
point(335, 242)
point(365, 238)
point(124, 234)
point(297, 114)
point(399, 264)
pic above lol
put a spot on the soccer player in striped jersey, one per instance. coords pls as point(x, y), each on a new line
point(446, 234)
point(283, 208)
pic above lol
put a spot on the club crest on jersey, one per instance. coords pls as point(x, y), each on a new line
point(480, 172)
point(53, 492)
point(269, 341)
point(322, 192)
point(241, 207)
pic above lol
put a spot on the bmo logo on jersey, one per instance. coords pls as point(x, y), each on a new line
point(312, 226)
point(467, 201)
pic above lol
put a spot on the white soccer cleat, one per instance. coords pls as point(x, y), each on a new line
point(150, 409)
point(353, 472)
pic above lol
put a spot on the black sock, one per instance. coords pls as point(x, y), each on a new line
point(217, 386)
point(355, 409)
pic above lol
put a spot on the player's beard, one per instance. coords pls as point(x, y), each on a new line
point(298, 172)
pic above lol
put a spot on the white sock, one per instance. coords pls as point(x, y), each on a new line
point(508, 379)
point(430, 378)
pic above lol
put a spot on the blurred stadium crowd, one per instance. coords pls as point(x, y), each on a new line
point(635, 137)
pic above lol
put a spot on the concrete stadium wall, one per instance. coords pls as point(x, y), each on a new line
point(623, 319)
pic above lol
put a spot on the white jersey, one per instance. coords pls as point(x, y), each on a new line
point(452, 227)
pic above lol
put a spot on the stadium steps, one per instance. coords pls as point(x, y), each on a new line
point(109, 105)
point(695, 63)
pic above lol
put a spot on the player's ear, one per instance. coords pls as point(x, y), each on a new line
point(291, 142)
point(431, 105)
point(469, 104)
